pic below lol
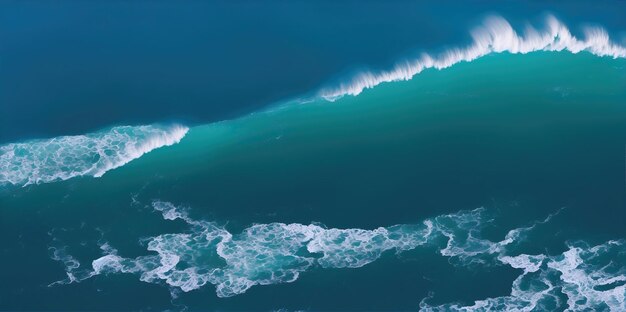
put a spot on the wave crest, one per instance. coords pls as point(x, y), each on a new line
point(496, 35)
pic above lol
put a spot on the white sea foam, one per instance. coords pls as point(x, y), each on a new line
point(73, 270)
point(496, 35)
point(264, 254)
point(589, 278)
point(582, 278)
point(69, 262)
point(62, 158)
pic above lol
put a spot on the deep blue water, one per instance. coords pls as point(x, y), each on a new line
point(159, 155)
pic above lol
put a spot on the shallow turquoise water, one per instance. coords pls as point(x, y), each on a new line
point(521, 135)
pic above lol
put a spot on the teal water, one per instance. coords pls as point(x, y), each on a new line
point(524, 136)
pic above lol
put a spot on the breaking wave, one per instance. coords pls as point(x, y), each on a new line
point(496, 35)
point(66, 157)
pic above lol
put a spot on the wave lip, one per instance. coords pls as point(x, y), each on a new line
point(93, 154)
point(496, 35)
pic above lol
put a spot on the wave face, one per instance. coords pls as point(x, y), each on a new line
point(496, 35)
point(65, 157)
point(273, 253)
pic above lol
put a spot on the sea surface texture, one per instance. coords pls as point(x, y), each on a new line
point(484, 174)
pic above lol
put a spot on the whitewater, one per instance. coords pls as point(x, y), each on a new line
point(265, 254)
point(584, 277)
point(66, 157)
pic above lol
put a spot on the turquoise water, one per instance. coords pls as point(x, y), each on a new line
point(303, 189)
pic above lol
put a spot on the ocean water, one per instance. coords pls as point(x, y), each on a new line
point(492, 179)
point(73, 67)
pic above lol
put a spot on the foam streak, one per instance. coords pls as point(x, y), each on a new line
point(273, 253)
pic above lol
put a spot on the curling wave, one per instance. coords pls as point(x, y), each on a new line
point(65, 157)
point(273, 253)
point(496, 35)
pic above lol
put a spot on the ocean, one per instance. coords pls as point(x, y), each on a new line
point(485, 177)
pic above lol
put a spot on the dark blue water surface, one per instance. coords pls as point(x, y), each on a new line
point(68, 67)
point(524, 136)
